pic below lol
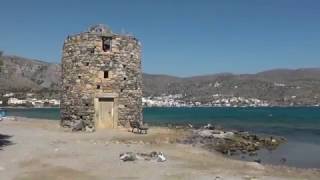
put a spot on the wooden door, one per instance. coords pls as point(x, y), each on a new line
point(106, 113)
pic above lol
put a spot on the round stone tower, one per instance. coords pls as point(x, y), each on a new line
point(101, 79)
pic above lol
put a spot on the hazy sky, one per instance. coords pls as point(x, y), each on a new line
point(181, 37)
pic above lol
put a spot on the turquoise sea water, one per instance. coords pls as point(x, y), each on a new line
point(300, 125)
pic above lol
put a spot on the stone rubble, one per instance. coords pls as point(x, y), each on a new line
point(231, 142)
point(155, 156)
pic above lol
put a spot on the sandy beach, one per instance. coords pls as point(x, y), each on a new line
point(40, 149)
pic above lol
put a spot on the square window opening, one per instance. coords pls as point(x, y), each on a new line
point(98, 86)
point(106, 74)
point(125, 78)
point(87, 64)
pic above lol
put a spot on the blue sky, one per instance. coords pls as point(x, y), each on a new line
point(179, 37)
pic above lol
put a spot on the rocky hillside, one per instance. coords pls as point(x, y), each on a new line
point(21, 74)
point(280, 86)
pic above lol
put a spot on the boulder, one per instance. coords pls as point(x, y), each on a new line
point(78, 126)
point(209, 126)
point(205, 133)
point(89, 129)
point(226, 135)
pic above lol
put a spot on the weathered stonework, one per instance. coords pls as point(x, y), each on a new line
point(100, 64)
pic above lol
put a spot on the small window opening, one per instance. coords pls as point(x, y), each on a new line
point(87, 104)
point(87, 64)
point(131, 56)
point(98, 86)
point(125, 78)
point(125, 105)
point(106, 44)
point(79, 77)
point(124, 66)
point(91, 50)
point(106, 74)
point(121, 90)
point(81, 117)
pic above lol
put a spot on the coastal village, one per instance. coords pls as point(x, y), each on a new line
point(220, 101)
point(12, 100)
point(164, 100)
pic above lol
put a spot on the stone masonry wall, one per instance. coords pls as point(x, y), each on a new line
point(83, 66)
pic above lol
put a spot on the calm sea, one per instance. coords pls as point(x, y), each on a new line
point(300, 125)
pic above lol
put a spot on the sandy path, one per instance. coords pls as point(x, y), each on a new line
point(42, 150)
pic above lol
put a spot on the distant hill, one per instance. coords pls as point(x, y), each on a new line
point(301, 86)
point(22, 74)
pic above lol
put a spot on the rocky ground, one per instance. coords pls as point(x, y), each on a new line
point(231, 142)
point(40, 149)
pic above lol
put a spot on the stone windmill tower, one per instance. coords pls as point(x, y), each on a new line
point(101, 79)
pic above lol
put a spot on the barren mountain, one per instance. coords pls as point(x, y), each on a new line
point(20, 74)
point(301, 86)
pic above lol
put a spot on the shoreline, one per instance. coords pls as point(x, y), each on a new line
point(49, 126)
point(247, 157)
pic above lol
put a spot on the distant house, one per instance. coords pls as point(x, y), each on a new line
point(101, 79)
